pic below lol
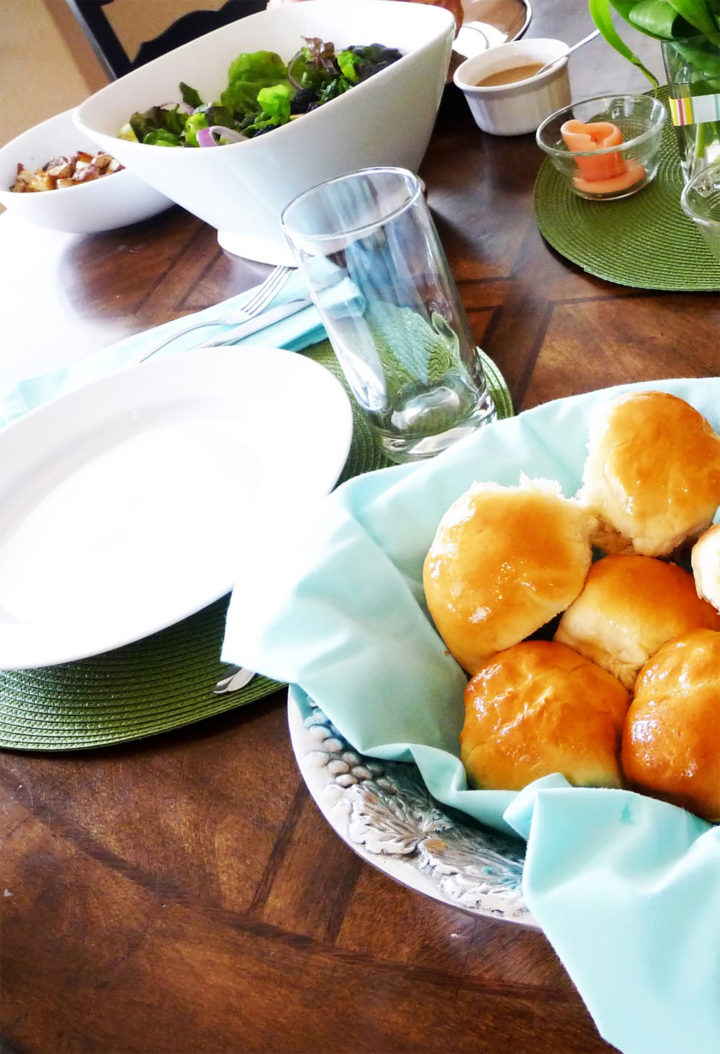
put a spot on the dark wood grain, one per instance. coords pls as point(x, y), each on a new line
point(184, 894)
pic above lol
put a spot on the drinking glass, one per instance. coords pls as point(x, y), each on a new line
point(700, 201)
point(368, 248)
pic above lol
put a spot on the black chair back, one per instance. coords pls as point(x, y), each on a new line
point(111, 52)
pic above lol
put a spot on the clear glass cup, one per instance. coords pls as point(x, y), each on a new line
point(700, 201)
point(368, 248)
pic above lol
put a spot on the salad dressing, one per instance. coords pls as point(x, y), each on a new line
point(509, 76)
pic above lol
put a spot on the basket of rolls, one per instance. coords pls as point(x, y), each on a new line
point(532, 619)
point(626, 690)
point(542, 599)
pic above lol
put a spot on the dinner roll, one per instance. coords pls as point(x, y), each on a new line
point(652, 473)
point(628, 607)
point(671, 737)
point(705, 560)
point(504, 561)
point(539, 708)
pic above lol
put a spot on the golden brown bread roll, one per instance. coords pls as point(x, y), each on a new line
point(671, 738)
point(705, 560)
point(539, 708)
point(504, 561)
point(629, 606)
point(652, 473)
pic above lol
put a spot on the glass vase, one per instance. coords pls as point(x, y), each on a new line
point(692, 67)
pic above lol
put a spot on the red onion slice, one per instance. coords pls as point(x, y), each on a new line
point(206, 136)
point(227, 133)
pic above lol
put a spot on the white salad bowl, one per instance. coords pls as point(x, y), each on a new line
point(103, 204)
point(241, 188)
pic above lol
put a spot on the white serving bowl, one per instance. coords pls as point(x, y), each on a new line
point(519, 107)
point(241, 189)
point(101, 205)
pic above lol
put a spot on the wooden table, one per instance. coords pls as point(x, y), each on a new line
point(184, 894)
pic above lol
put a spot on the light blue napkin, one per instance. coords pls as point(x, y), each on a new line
point(294, 333)
point(627, 890)
point(331, 599)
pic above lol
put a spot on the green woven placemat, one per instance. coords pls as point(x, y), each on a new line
point(164, 681)
point(645, 241)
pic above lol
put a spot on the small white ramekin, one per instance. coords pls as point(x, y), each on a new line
point(517, 108)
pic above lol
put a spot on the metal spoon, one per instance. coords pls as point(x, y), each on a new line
point(554, 62)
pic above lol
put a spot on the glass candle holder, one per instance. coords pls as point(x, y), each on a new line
point(606, 147)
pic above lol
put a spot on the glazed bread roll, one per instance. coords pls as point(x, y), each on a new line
point(652, 474)
point(539, 708)
point(671, 737)
point(705, 560)
point(629, 606)
point(504, 561)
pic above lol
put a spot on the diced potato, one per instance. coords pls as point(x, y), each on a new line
point(64, 171)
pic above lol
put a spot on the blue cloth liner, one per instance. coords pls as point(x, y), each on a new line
point(295, 333)
point(330, 599)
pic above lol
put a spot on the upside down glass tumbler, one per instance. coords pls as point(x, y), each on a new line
point(368, 248)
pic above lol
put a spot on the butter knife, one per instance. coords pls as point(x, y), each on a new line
point(234, 682)
point(254, 325)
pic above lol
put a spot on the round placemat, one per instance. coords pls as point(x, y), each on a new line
point(645, 241)
point(167, 680)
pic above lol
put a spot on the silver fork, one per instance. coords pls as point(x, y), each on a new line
point(262, 296)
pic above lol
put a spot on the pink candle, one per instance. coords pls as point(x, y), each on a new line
point(603, 173)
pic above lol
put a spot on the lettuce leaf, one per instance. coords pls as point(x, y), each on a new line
point(248, 74)
point(261, 94)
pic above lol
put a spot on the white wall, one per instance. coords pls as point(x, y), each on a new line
point(46, 63)
point(39, 74)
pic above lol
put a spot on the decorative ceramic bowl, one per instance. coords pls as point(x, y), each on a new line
point(700, 200)
point(113, 200)
point(606, 147)
point(515, 107)
point(241, 188)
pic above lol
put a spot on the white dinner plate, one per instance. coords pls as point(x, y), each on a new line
point(122, 503)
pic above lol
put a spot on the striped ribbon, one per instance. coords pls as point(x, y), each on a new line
point(695, 109)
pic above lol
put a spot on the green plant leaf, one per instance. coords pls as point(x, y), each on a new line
point(657, 18)
point(697, 63)
point(697, 13)
point(601, 14)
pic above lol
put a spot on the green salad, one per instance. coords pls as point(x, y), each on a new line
point(262, 93)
